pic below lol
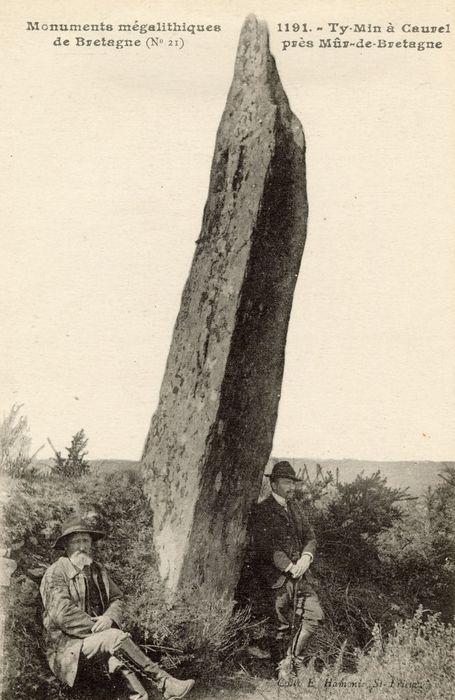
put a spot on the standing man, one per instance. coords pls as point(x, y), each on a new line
point(284, 545)
point(83, 618)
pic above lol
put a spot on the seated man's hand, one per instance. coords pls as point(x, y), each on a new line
point(102, 622)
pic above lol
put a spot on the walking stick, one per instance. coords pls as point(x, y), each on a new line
point(294, 614)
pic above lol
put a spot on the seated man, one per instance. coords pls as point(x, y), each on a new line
point(83, 618)
point(284, 544)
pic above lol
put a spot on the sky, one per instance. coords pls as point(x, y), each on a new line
point(108, 156)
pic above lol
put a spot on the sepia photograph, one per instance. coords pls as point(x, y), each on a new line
point(227, 408)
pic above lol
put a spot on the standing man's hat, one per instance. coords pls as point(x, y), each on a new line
point(76, 524)
point(283, 470)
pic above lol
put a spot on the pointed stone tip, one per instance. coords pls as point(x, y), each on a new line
point(252, 23)
point(256, 81)
point(253, 51)
point(254, 30)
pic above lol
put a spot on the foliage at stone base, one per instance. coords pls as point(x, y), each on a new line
point(194, 631)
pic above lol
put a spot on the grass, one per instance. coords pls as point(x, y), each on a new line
point(414, 661)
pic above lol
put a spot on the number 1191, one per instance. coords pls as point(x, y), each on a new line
point(294, 27)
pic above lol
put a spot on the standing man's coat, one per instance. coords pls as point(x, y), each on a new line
point(280, 537)
point(66, 622)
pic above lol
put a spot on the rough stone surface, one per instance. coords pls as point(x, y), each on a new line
point(212, 433)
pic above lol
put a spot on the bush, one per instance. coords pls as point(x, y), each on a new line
point(194, 630)
point(349, 526)
point(419, 550)
point(354, 591)
point(415, 659)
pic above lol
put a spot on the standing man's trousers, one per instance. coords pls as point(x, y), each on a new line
point(305, 608)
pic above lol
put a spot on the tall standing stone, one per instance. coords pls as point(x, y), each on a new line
point(212, 432)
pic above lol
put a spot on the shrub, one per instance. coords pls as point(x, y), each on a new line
point(354, 518)
point(415, 659)
point(194, 630)
point(419, 550)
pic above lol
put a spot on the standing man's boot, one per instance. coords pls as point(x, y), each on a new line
point(281, 658)
point(286, 670)
point(133, 684)
point(135, 659)
point(300, 641)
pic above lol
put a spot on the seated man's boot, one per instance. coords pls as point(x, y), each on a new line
point(133, 684)
point(135, 659)
point(173, 688)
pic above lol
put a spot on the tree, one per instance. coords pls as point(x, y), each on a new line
point(74, 465)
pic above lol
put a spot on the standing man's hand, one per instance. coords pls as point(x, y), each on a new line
point(300, 567)
point(102, 622)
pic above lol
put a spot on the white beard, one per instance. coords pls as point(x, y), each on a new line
point(80, 559)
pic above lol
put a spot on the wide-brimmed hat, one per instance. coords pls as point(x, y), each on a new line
point(283, 470)
point(77, 524)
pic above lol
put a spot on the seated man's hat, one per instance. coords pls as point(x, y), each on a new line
point(283, 470)
point(77, 524)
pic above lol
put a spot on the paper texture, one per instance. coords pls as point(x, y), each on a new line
point(107, 155)
point(107, 150)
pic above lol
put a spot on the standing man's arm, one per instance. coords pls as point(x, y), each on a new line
point(309, 538)
point(267, 543)
point(308, 549)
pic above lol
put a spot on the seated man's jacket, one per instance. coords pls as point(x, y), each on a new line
point(66, 619)
point(279, 538)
